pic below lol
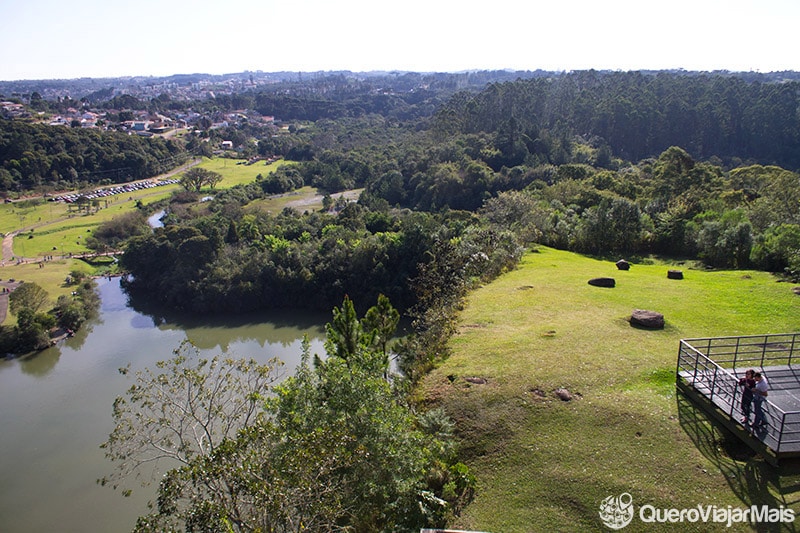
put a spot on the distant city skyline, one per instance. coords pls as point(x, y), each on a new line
point(52, 39)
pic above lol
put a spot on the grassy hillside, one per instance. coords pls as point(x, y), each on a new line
point(548, 463)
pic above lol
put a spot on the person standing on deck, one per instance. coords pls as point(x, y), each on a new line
point(748, 384)
point(760, 393)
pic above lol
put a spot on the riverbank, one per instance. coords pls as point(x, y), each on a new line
point(57, 406)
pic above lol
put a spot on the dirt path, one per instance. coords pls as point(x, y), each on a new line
point(8, 248)
point(5, 290)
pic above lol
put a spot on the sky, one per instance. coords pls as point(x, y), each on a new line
point(65, 39)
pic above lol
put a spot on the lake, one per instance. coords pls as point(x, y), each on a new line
point(55, 407)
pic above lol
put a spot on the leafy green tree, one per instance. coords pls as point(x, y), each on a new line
point(778, 248)
point(28, 296)
point(30, 333)
point(232, 236)
point(111, 234)
point(196, 178)
point(725, 241)
point(70, 313)
point(332, 448)
point(345, 337)
point(518, 212)
point(381, 323)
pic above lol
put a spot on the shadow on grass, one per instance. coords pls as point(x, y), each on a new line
point(753, 480)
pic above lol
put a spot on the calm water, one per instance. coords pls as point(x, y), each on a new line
point(55, 408)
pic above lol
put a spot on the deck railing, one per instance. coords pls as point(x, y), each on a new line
point(709, 365)
point(750, 350)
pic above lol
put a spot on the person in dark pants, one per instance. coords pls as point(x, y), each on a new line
point(759, 396)
point(748, 384)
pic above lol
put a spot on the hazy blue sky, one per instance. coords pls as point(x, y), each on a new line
point(96, 38)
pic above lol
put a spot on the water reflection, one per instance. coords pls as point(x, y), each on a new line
point(40, 364)
point(55, 406)
point(222, 332)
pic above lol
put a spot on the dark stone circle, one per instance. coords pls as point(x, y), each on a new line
point(602, 282)
point(647, 319)
point(623, 265)
point(675, 274)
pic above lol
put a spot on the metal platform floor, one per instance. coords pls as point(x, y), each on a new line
point(781, 410)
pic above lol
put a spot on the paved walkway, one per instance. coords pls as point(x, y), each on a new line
point(6, 287)
point(8, 246)
point(3, 307)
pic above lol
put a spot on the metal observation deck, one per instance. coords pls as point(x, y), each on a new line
point(709, 370)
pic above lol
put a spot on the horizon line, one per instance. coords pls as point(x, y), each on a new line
point(403, 71)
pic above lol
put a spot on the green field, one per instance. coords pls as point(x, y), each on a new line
point(62, 231)
point(304, 199)
point(234, 173)
point(58, 229)
point(548, 463)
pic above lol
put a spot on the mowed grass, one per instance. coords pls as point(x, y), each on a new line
point(544, 464)
point(233, 173)
point(303, 199)
point(67, 233)
point(51, 277)
point(55, 229)
point(18, 215)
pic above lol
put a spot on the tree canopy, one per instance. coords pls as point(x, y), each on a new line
point(331, 448)
point(37, 155)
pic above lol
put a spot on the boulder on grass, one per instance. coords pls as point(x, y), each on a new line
point(675, 274)
point(623, 265)
point(602, 282)
point(647, 319)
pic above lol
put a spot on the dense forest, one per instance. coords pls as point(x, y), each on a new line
point(638, 115)
point(725, 118)
point(37, 156)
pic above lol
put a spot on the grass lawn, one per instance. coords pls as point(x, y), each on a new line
point(304, 199)
point(17, 215)
point(55, 225)
point(68, 232)
point(234, 173)
point(53, 229)
point(51, 278)
point(548, 464)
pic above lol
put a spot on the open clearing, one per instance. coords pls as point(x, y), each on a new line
point(57, 229)
point(548, 463)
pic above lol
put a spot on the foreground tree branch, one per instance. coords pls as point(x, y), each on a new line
point(184, 409)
